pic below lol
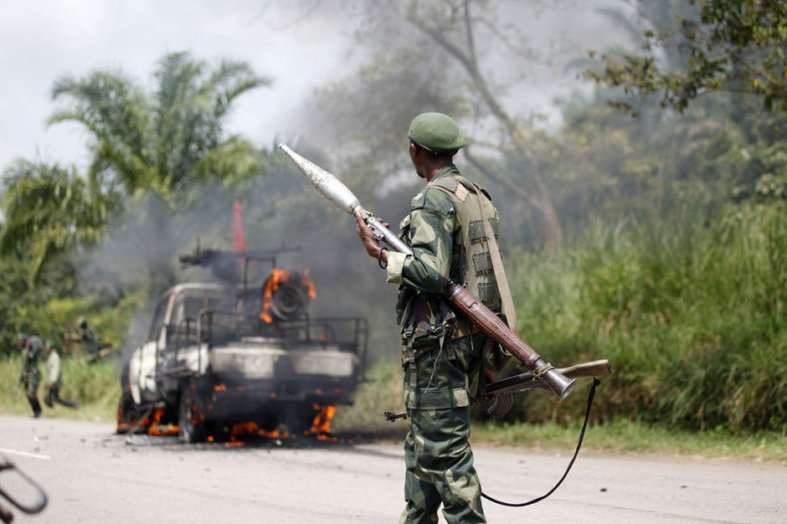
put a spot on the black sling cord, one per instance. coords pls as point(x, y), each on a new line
point(592, 394)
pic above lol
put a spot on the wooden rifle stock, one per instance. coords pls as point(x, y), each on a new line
point(526, 381)
point(488, 322)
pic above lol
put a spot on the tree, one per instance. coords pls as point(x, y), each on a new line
point(149, 149)
point(438, 55)
point(453, 30)
point(49, 210)
point(727, 45)
point(158, 141)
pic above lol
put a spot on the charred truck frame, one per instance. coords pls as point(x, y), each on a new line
point(219, 355)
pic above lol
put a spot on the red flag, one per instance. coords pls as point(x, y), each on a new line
point(237, 228)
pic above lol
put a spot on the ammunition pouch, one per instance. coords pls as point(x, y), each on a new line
point(426, 319)
point(417, 348)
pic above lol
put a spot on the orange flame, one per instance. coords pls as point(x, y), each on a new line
point(322, 422)
point(244, 429)
point(281, 276)
point(155, 429)
point(306, 281)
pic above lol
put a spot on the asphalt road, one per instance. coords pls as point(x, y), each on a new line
point(92, 475)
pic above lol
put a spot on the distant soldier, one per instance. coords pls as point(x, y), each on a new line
point(31, 375)
point(88, 336)
point(54, 378)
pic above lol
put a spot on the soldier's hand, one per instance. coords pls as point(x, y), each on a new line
point(367, 238)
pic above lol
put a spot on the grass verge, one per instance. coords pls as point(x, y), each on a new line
point(635, 437)
point(95, 386)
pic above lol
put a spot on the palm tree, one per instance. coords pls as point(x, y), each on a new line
point(158, 141)
point(48, 210)
point(145, 147)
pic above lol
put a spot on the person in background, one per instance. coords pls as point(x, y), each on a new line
point(54, 378)
point(90, 339)
point(30, 375)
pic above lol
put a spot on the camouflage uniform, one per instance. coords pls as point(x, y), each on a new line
point(443, 354)
point(31, 375)
point(89, 338)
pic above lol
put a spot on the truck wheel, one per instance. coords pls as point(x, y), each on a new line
point(299, 418)
point(128, 417)
point(191, 426)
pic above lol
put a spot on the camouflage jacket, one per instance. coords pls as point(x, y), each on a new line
point(439, 230)
point(30, 355)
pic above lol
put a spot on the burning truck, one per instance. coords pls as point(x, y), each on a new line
point(235, 358)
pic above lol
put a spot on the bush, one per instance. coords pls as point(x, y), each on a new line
point(690, 314)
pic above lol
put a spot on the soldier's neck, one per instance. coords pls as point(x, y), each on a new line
point(434, 169)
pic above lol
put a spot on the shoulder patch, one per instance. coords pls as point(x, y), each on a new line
point(418, 201)
point(461, 192)
point(447, 183)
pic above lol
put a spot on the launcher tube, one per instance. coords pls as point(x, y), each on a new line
point(340, 195)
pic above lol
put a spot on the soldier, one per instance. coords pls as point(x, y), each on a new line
point(443, 352)
point(88, 336)
point(54, 378)
point(30, 375)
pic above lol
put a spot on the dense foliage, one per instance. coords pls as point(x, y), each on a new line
point(720, 45)
point(690, 313)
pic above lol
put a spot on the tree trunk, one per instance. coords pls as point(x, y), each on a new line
point(541, 198)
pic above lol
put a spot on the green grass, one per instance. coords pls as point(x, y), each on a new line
point(95, 386)
point(382, 392)
point(635, 437)
point(692, 316)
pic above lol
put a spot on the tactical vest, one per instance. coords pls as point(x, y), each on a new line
point(475, 260)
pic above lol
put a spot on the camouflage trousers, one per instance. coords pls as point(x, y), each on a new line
point(438, 456)
point(31, 392)
point(53, 395)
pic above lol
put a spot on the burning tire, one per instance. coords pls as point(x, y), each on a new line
point(129, 420)
point(191, 420)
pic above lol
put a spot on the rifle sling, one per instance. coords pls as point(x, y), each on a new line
point(497, 265)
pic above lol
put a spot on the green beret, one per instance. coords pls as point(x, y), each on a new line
point(49, 344)
point(21, 336)
point(436, 132)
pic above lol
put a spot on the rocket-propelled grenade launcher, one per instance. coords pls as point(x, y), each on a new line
point(340, 195)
